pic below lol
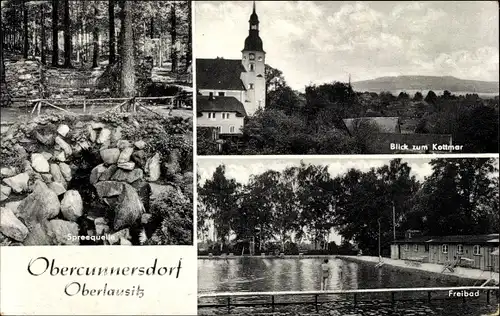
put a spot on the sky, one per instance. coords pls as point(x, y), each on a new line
point(323, 41)
point(241, 170)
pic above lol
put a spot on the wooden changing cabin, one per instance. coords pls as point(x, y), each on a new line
point(473, 251)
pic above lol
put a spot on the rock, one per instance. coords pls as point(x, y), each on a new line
point(128, 176)
point(44, 139)
point(100, 221)
point(65, 146)
point(37, 236)
point(57, 187)
point(172, 166)
point(106, 175)
point(110, 156)
point(25, 77)
point(117, 134)
point(46, 177)
point(130, 208)
point(8, 172)
point(27, 166)
point(139, 157)
point(140, 144)
point(101, 229)
point(104, 136)
point(57, 176)
point(109, 188)
point(122, 144)
point(125, 155)
point(42, 204)
point(96, 173)
point(65, 171)
point(153, 168)
point(146, 218)
point(72, 205)
point(61, 232)
point(5, 192)
point(18, 183)
point(92, 134)
point(11, 226)
point(47, 155)
point(20, 150)
point(63, 130)
point(59, 156)
point(115, 238)
point(125, 242)
point(13, 206)
point(39, 163)
point(126, 165)
point(96, 125)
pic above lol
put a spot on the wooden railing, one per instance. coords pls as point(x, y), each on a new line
point(316, 294)
point(124, 104)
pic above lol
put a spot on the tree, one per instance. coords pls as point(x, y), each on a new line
point(95, 37)
point(403, 96)
point(67, 35)
point(127, 61)
point(219, 194)
point(431, 97)
point(112, 44)
point(459, 198)
point(274, 78)
point(25, 28)
point(55, 33)
point(418, 96)
point(173, 35)
point(43, 40)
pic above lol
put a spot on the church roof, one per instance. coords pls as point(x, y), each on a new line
point(220, 104)
point(253, 43)
point(219, 74)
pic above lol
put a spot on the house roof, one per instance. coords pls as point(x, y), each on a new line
point(385, 124)
point(219, 74)
point(220, 104)
point(457, 239)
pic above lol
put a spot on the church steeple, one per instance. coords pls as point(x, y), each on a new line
point(253, 42)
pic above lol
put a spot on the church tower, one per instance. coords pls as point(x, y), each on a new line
point(253, 60)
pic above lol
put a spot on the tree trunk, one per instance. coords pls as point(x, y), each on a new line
point(25, 28)
point(127, 76)
point(173, 35)
point(2, 64)
point(55, 41)
point(189, 49)
point(95, 38)
point(111, 13)
point(43, 40)
point(67, 35)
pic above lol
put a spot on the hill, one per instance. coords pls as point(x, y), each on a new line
point(434, 83)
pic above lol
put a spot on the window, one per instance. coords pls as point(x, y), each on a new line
point(415, 247)
point(444, 248)
point(231, 129)
point(251, 56)
point(219, 129)
point(253, 26)
point(250, 86)
point(211, 115)
point(407, 247)
point(476, 250)
point(211, 94)
point(426, 248)
point(460, 249)
point(221, 94)
point(225, 116)
point(260, 58)
point(251, 67)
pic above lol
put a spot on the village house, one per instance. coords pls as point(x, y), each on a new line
point(474, 251)
point(223, 82)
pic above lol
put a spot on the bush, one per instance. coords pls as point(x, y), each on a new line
point(173, 215)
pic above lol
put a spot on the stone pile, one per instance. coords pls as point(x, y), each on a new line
point(23, 78)
point(71, 83)
point(38, 207)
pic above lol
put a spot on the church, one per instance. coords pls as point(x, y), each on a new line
point(231, 89)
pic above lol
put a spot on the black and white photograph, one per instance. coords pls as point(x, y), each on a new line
point(96, 123)
point(342, 77)
point(348, 236)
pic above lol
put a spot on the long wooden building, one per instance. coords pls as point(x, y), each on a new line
point(474, 251)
